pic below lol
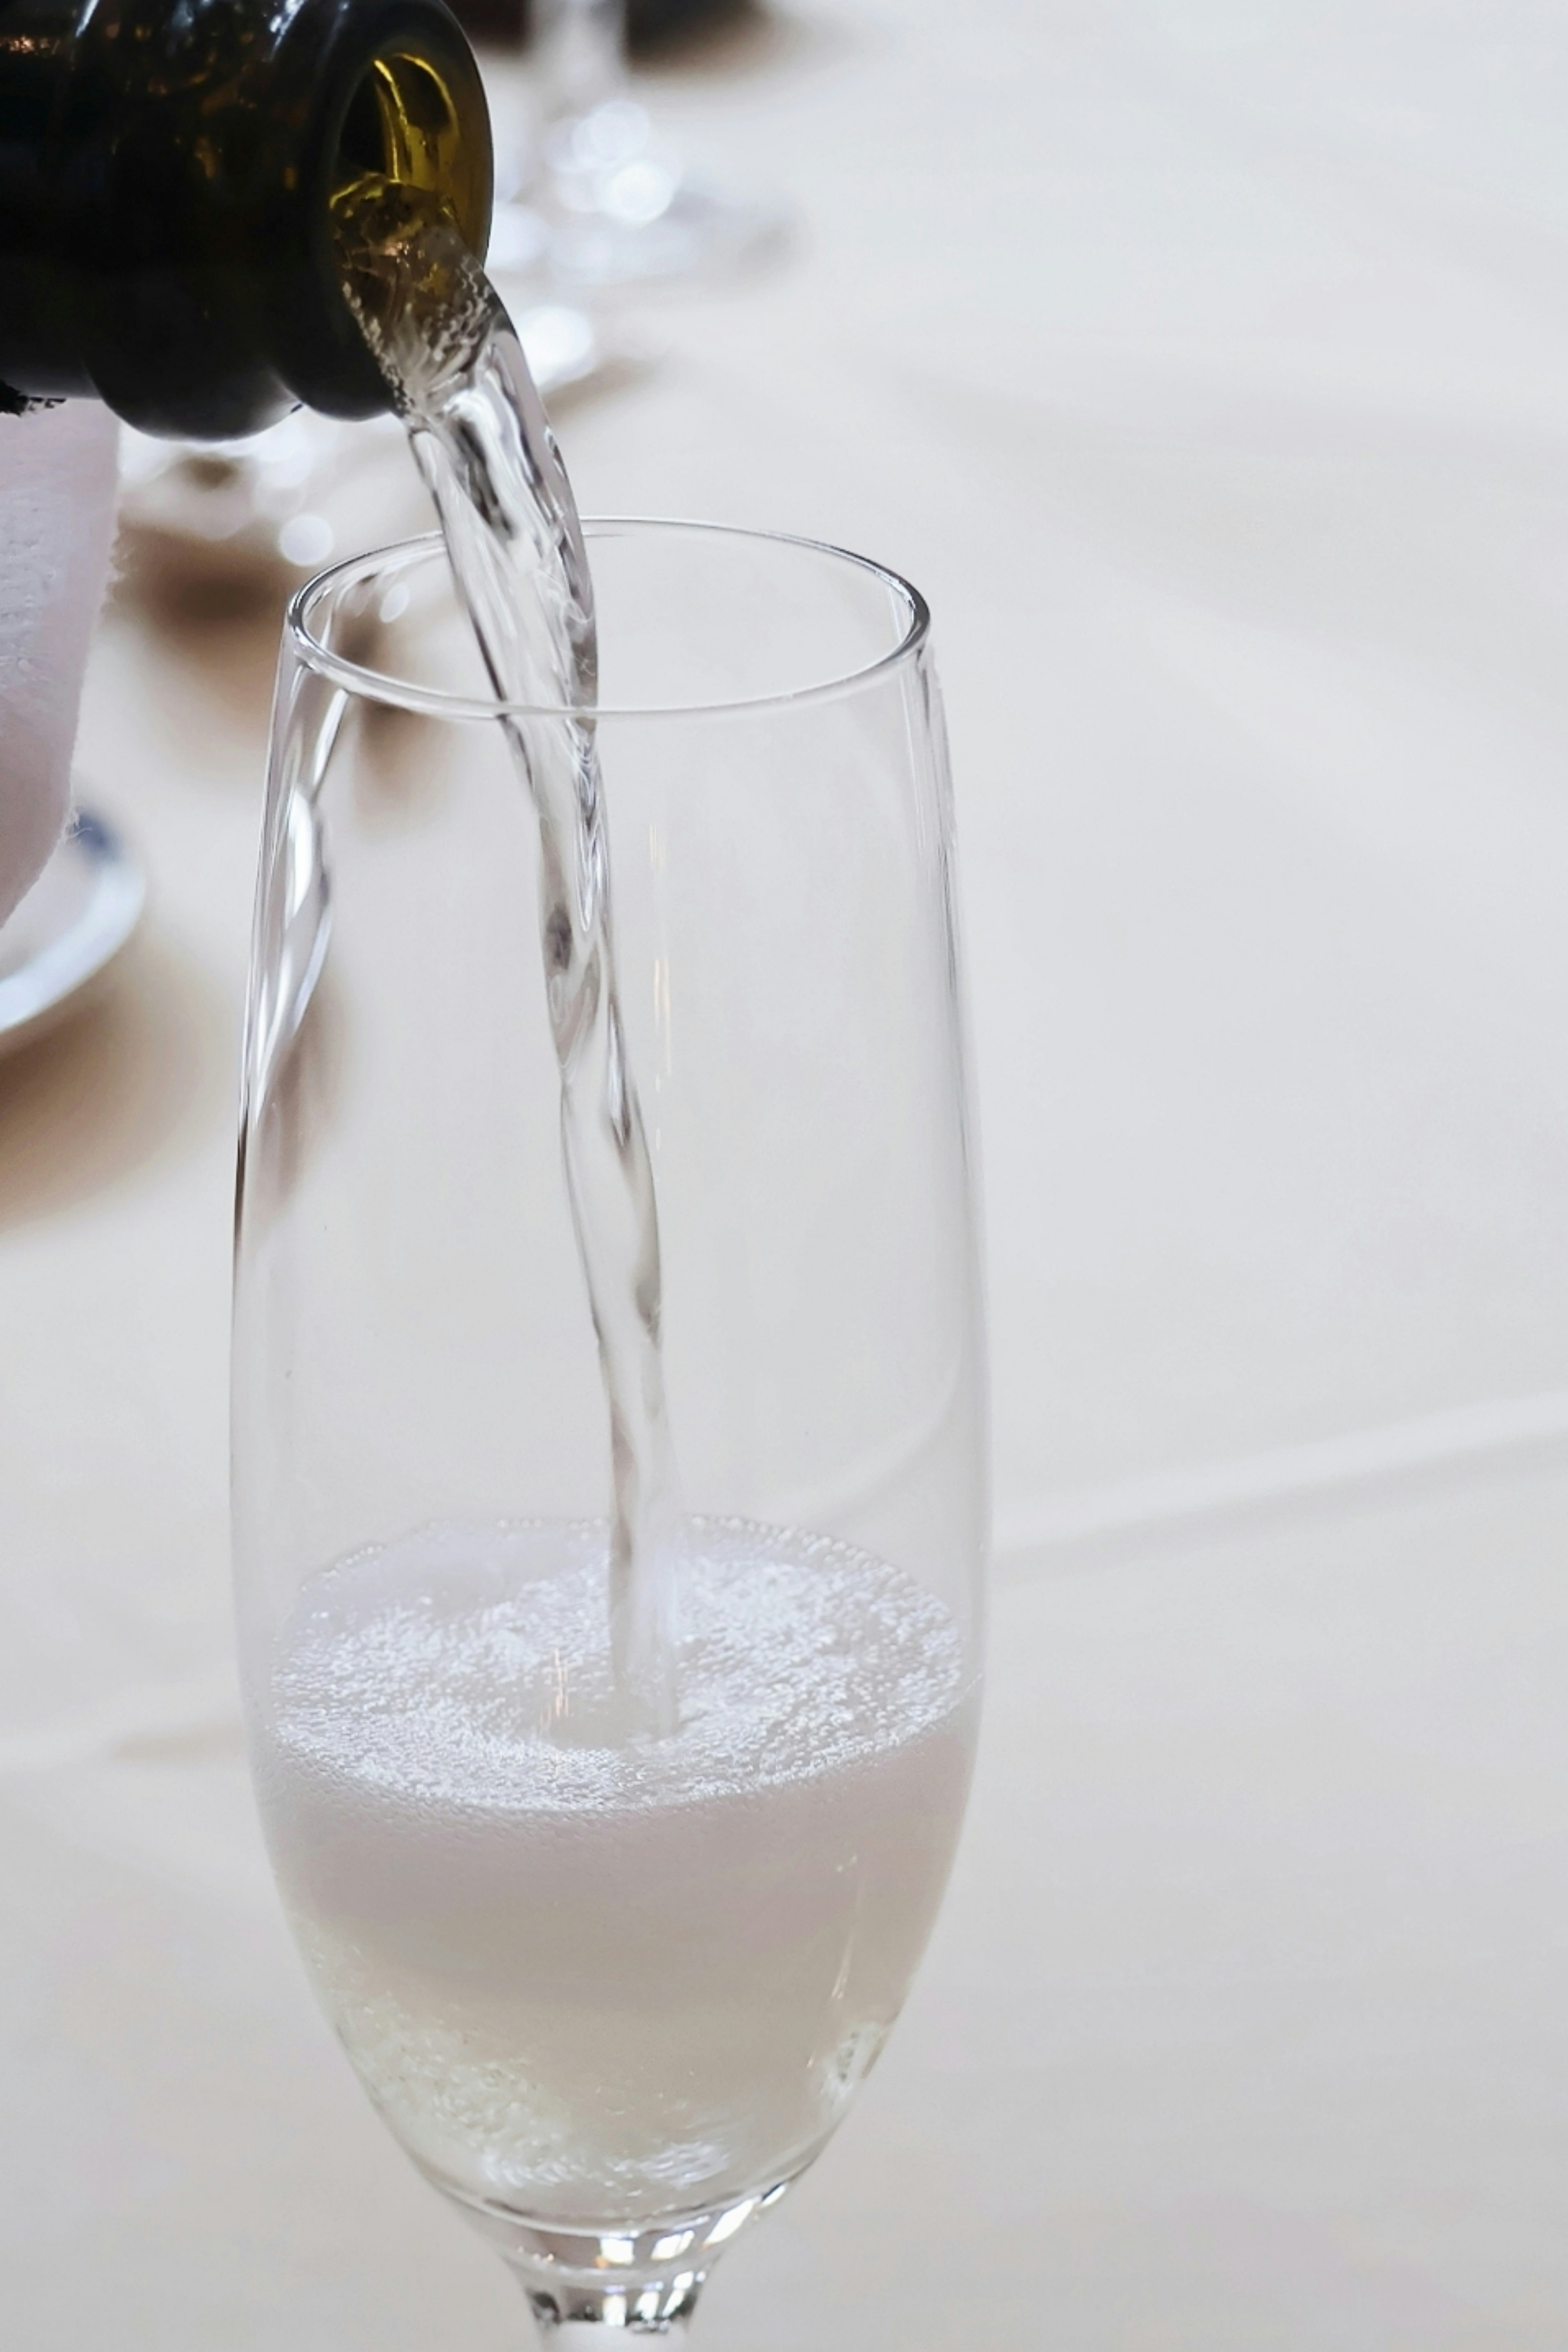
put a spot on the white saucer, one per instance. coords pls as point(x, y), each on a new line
point(70, 926)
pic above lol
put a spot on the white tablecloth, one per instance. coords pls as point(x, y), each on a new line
point(1207, 361)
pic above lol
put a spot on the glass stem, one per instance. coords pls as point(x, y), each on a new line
point(574, 2311)
point(582, 59)
point(590, 2336)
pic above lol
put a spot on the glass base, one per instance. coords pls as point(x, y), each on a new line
point(645, 2282)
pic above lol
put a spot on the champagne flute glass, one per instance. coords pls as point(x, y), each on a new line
point(611, 1989)
point(611, 204)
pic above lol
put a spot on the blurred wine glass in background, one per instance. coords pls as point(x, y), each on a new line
point(269, 509)
point(593, 196)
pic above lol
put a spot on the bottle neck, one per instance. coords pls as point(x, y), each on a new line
point(166, 183)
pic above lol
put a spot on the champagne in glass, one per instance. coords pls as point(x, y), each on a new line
point(590, 1978)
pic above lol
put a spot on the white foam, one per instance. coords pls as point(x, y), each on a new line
point(472, 1668)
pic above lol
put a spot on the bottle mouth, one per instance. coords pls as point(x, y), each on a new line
point(403, 124)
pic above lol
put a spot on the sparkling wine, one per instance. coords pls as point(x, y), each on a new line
point(479, 432)
point(584, 1976)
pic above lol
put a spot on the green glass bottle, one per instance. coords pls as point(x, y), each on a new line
point(168, 171)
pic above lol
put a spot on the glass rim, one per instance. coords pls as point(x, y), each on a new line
point(436, 702)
